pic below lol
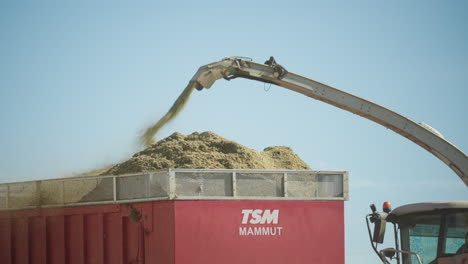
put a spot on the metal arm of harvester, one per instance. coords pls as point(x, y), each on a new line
point(271, 72)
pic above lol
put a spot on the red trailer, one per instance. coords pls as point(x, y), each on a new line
point(176, 216)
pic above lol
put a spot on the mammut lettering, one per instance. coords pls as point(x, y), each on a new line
point(261, 231)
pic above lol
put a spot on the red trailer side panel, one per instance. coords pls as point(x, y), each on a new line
point(20, 241)
point(273, 232)
point(55, 233)
point(113, 245)
point(94, 237)
point(132, 237)
point(162, 240)
point(5, 241)
point(74, 239)
point(37, 240)
point(177, 232)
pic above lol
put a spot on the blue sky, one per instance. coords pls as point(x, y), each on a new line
point(80, 81)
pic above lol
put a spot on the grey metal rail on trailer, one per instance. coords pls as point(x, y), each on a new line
point(271, 72)
point(176, 184)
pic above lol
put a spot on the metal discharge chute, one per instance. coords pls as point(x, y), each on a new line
point(271, 72)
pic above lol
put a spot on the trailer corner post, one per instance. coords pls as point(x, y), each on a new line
point(114, 188)
point(234, 184)
point(346, 186)
point(8, 196)
point(285, 184)
point(172, 185)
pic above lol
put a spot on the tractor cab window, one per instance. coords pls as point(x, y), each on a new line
point(435, 235)
point(420, 234)
point(456, 225)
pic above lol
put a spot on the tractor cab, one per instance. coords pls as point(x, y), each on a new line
point(425, 233)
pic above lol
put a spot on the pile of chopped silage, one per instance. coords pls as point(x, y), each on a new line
point(207, 150)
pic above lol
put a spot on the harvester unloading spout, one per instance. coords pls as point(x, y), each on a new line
point(271, 72)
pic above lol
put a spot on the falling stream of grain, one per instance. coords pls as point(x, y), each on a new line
point(147, 138)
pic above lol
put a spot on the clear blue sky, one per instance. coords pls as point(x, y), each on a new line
point(79, 81)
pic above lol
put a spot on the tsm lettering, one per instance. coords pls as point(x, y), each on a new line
point(260, 216)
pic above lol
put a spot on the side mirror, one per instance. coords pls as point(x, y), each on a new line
point(380, 222)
